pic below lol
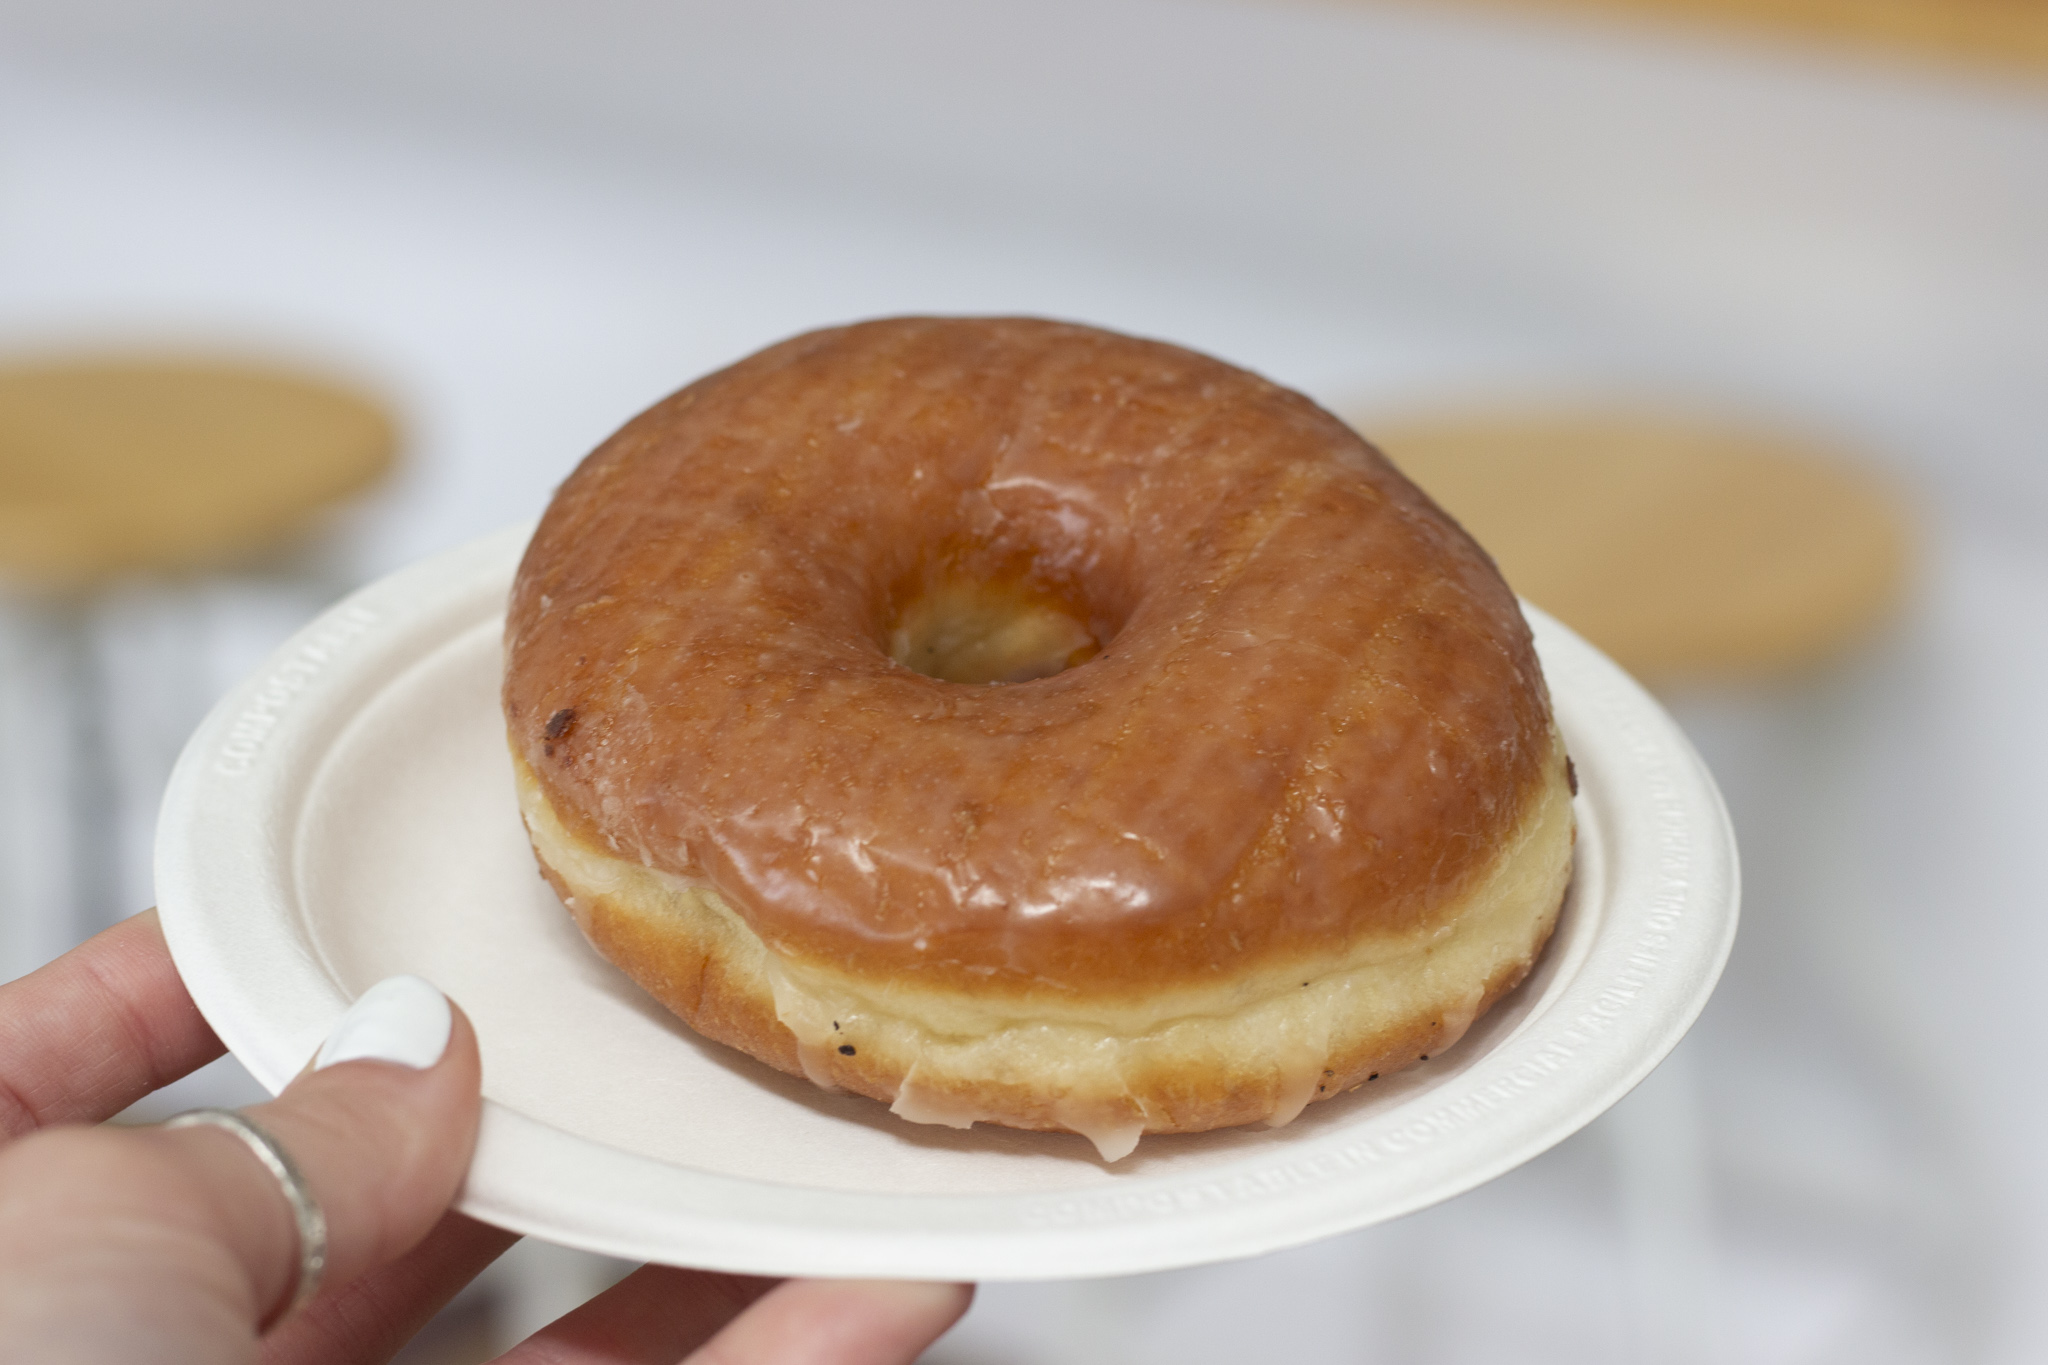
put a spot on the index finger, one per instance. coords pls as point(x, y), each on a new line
point(89, 1034)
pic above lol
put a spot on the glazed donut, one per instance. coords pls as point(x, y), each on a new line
point(1015, 721)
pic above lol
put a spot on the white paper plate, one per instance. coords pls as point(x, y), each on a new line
point(347, 813)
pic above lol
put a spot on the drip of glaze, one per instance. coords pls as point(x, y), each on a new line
point(1457, 1022)
point(1112, 1128)
point(1300, 1064)
point(814, 1060)
point(919, 1103)
point(800, 1013)
point(1300, 1071)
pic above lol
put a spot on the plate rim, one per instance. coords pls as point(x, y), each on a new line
point(267, 736)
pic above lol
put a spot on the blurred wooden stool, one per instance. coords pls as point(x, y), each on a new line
point(119, 465)
point(2008, 37)
point(126, 464)
point(1685, 550)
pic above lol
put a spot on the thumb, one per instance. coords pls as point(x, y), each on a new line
point(177, 1243)
point(382, 1122)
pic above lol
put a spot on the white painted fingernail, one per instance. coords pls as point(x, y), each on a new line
point(401, 1019)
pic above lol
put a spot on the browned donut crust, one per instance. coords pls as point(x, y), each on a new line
point(1310, 761)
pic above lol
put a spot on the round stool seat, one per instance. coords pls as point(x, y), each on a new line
point(1684, 550)
point(113, 464)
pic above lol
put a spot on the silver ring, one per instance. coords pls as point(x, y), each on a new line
point(312, 1223)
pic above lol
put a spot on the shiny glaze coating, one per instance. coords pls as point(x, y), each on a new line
point(1315, 712)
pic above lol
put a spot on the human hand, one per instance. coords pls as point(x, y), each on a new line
point(178, 1245)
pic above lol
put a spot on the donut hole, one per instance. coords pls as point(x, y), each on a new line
point(963, 630)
